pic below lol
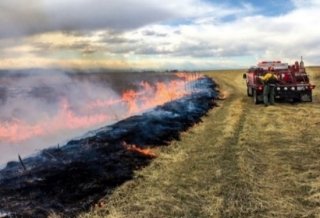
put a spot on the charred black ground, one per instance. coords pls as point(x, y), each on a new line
point(66, 180)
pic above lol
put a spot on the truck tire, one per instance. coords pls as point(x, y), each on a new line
point(249, 92)
point(255, 97)
point(306, 98)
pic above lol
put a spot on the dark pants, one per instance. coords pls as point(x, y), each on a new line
point(268, 94)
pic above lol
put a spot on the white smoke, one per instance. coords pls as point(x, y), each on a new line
point(20, 18)
point(42, 108)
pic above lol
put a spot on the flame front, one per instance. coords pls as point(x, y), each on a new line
point(147, 152)
point(96, 112)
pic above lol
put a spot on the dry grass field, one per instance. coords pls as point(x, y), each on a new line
point(243, 160)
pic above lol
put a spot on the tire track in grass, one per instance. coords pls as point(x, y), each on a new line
point(235, 188)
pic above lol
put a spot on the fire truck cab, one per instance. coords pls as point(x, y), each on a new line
point(293, 81)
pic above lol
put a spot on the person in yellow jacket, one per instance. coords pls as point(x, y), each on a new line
point(269, 80)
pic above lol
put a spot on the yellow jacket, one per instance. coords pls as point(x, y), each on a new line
point(269, 77)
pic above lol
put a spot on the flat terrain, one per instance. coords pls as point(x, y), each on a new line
point(243, 160)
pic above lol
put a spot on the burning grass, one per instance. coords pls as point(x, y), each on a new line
point(73, 104)
point(146, 152)
point(68, 179)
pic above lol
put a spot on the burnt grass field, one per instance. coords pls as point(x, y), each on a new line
point(66, 180)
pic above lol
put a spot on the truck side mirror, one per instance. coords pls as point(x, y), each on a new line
point(244, 76)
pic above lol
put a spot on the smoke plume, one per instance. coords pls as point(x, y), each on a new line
point(41, 109)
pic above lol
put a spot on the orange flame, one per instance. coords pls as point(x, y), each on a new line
point(153, 95)
point(147, 152)
point(96, 112)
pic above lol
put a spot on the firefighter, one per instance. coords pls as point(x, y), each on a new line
point(269, 80)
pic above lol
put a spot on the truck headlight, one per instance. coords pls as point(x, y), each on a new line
point(293, 88)
point(278, 88)
point(285, 88)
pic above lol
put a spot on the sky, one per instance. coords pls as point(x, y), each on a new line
point(157, 35)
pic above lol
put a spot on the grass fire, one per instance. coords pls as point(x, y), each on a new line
point(151, 109)
point(42, 110)
point(69, 178)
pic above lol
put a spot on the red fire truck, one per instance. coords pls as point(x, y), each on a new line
point(293, 85)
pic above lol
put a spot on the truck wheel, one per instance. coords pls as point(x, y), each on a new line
point(255, 97)
point(306, 97)
point(249, 92)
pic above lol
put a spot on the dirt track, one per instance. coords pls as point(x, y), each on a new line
point(244, 160)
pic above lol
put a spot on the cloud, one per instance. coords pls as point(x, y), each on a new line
point(18, 18)
point(305, 3)
point(144, 31)
point(76, 46)
point(112, 37)
point(153, 33)
point(285, 36)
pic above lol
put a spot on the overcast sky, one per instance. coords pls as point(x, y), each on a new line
point(153, 34)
